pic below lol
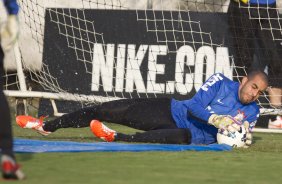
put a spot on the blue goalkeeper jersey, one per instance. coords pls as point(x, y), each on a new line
point(218, 95)
point(11, 6)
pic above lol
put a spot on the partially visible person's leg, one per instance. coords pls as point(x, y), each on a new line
point(6, 140)
point(275, 73)
point(275, 96)
point(275, 80)
point(270, 51)
point(10, 169)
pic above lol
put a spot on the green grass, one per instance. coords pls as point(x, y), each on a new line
point(259, 164)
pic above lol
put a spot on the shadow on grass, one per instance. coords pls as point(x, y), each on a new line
point(24, 156)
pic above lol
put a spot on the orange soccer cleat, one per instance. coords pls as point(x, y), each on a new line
point(32, 123)
point(101, 131)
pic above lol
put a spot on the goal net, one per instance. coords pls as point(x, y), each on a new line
point(91, 51)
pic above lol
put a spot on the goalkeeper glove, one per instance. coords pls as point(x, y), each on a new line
point(10, 32)
point(249, 137)
point(243, 1)
point(224, 122)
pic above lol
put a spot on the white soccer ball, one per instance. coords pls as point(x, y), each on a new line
point(235, 139)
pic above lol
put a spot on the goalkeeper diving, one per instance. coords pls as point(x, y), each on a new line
point(220, 105)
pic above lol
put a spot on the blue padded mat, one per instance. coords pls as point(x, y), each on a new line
point(40, 146)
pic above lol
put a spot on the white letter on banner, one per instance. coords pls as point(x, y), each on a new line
point(154, 68)
point(185, 56)
point(120, 67)
point(204, 53)
point(223, 62)
point(133, 73)
point(102, 66)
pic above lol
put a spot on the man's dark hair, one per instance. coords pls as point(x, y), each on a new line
point(262, 74)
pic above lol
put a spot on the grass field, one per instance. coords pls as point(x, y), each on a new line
point(259, 164)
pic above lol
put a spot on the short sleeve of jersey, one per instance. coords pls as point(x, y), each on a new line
point(198, 104)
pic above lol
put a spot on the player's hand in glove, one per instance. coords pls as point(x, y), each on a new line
point(243, 1)
point(249, 137)
point(10, 32)
point(224, 122)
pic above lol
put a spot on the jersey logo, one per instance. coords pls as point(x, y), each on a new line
point(219, 101)
point(211, 81)
point(240, 116)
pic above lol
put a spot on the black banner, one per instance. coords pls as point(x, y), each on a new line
point(135, 54)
